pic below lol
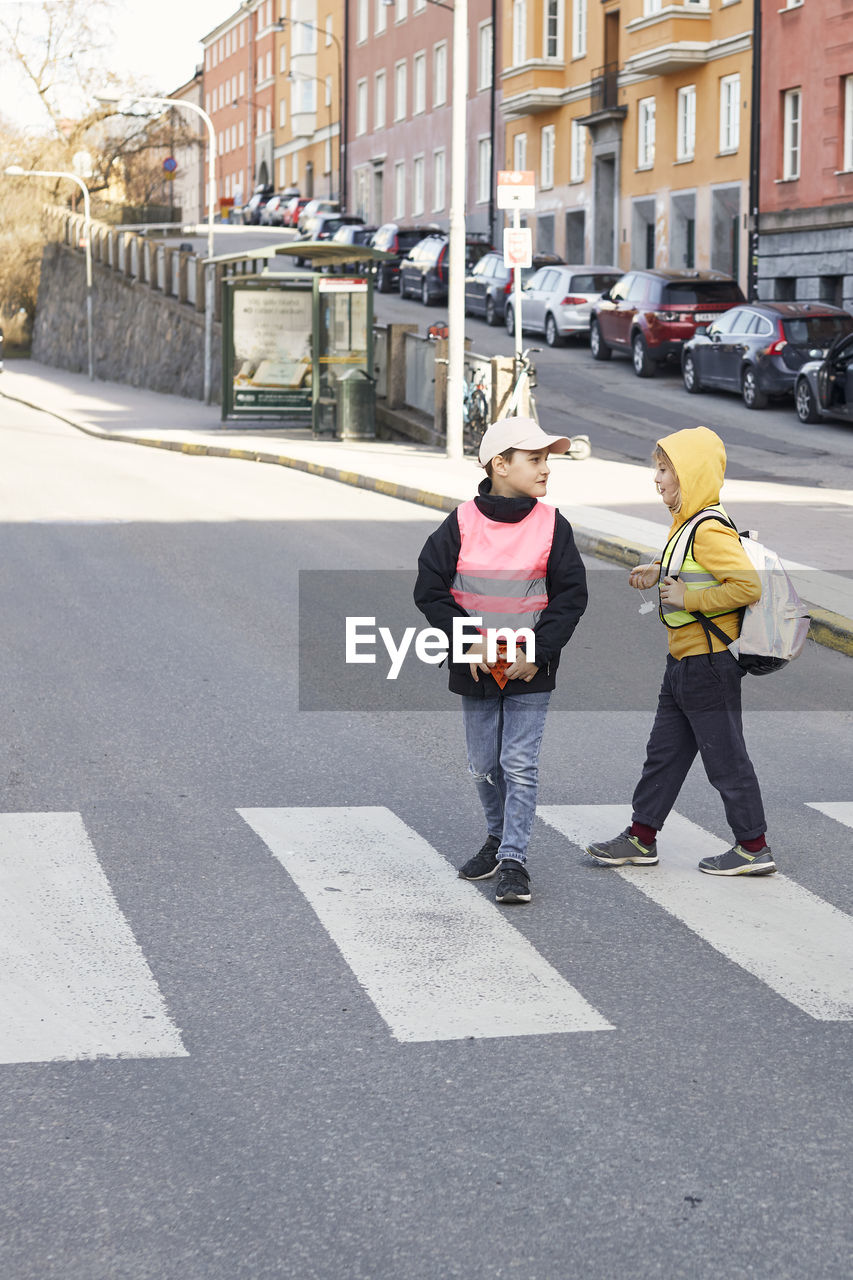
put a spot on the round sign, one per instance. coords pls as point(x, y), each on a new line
point(170, 164)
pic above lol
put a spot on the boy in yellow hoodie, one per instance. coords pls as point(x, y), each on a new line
point(699, 707)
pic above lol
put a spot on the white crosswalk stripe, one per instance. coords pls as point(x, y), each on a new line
point(430, 964)
point(840, 810)
point(786, 936)
point(73, 982)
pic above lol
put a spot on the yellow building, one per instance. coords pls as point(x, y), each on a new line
point(635, 116)
point(308, 98)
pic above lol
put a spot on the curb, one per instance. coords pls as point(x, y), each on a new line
point(831, 630)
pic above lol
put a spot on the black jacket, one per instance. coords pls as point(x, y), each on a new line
point(565, 579)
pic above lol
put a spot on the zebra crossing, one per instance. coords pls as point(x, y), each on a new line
point(75, 983)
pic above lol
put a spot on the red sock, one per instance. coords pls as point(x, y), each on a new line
point(753, 846)
point(646, 835)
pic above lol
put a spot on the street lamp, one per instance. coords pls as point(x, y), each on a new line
point(15, 171)
point(342, 181)
point(108, 99)
point(294, 77)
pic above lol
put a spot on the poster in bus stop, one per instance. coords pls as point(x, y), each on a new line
point(268, 348)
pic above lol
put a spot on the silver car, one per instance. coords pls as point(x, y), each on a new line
point(556, 301)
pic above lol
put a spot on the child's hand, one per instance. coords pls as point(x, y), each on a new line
point(521, 669)
point(477, 660)
point(644, 576)
point(672, 592)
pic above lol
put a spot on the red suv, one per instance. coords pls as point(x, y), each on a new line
point(651, 314)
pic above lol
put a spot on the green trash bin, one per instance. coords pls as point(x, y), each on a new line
point(356, 397)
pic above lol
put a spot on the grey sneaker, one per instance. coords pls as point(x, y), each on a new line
point(513, 882)
point(484, 864)
point(624, 848)
point(737, 862)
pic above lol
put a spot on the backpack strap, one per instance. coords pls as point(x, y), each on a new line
point(707, 624)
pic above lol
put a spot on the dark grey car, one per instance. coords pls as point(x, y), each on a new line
point(488, 286)
point(758, 348)
point(824, 388)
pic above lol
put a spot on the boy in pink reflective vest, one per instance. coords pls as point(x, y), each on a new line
point(510, 560)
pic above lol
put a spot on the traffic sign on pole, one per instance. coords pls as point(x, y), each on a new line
point(516, 189)
point(518, 247)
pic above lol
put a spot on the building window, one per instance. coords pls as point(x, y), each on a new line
point(519, 151)
point(579, 28)
point(282, 112)
point(651, 6)
point(328, 29)
point(400, 91)
point(552, 24)
point(381, 19)
point(241, 137)
point(546, 158)
point(439, 75)
point(792, 117)
point(577, 153)
point(361, 22)
point(402, 11)
point(419, 6)
point(400, 189)
point(242, 83)
point(685, 146)
point(282, 59)
point(438, 172)
point(328, 91)
point(379, 100)
point(847, 158)
point(730, 113)
point(484, 55)
point(519, 31)
point(484, 170)
point(645, 133)
point(327, 156)
point(418, 84)
point(361, 107)
point(418, 185)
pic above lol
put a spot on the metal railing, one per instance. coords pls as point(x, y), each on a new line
point(604, 87)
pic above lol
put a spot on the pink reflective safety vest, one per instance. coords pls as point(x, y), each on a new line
point(500, 574)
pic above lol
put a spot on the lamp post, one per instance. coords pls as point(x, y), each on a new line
point(15, 171)
point(294, 77)
point(112, 99)
point(298, 22)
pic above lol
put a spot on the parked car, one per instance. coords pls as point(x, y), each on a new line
point(424, 272)
point(252, 211)
point(394, 238)
point(314, 207)
point(272, 213)
point(322, 226)
point(557, 300)
point(651, 314)
point(488, 286)
point(759, 349)
point(292, 210)
point(351, 234)
point(824, 387)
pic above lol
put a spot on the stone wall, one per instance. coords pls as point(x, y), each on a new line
point(141, 336)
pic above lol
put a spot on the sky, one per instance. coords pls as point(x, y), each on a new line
point(157, 40)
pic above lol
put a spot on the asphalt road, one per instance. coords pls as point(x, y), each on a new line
point(154, 662)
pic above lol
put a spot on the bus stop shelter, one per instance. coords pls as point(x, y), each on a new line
point(300, 344)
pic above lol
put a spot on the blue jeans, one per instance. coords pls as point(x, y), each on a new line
point(503, 736)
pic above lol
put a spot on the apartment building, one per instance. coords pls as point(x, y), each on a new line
point(805, 240)
point(239, 86)
point(635, 116)
point(309, 149)
point(399, 111)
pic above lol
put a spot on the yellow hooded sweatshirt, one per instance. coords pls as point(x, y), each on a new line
point(699, 458)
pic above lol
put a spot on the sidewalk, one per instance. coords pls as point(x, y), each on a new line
point(811, 528)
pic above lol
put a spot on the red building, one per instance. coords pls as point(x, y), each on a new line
point(805, 228)
point(399, 82)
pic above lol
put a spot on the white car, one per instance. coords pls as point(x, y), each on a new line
point(556, 301)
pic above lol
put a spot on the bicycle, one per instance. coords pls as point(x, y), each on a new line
point(525, 376)
point(475, 405)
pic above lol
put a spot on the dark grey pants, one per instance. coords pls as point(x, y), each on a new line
point(699, 709)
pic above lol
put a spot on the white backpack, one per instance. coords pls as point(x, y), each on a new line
point(774, 629)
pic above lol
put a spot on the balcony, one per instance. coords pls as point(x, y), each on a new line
point(604, 96)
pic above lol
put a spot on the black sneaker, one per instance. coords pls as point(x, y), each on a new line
point(737, 862)
point(513, 882)
point(484, 864)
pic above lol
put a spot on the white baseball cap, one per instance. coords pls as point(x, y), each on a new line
point(518, 433)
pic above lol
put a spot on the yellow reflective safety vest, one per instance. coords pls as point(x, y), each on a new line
point(678, 561)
